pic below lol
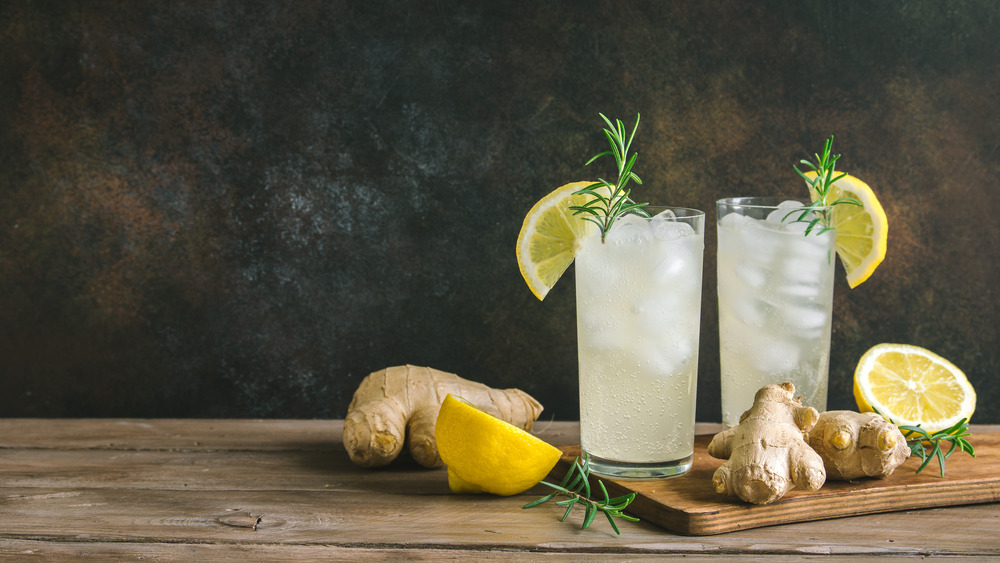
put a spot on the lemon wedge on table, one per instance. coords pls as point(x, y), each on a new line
point(862, 232)
point(912, 385)
point(487, 455)
point(550, 236)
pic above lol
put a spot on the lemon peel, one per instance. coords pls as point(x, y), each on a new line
point(487, 455)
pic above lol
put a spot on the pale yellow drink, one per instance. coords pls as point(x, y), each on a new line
point(638, 321)
point(775, 302)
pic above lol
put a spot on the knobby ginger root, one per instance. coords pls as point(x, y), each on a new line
point(855, 445)
point(767, 454)
point(400, 404)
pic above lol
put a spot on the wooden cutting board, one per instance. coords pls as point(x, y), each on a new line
point(689, 504)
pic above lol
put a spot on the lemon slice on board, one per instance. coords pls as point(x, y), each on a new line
point(487, 455)
point(862, 232)
point(550, 236)
point(911, 385)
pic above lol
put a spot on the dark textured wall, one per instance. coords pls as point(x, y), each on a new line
point(240, 208)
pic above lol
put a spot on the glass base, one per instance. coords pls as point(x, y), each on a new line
point(639, 471)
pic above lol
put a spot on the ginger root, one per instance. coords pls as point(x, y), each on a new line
point(767, 454)
point(856, 444)
point(400, 404)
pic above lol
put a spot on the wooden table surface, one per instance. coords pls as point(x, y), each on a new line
point(285, 490)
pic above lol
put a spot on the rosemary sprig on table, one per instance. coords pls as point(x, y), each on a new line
point(916, 437)
point(577, 480)
point(611, 201)
point(825, 170)
point(927, 445)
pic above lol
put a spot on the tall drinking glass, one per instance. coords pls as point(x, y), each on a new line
point(638, 303)
point(775, 301)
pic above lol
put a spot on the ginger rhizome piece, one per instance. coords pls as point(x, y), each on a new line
point(400, 405)
point(767, 454)
point(854, 444)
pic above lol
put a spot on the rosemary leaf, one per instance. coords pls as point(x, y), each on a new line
point(576, 487)
point(604, 210)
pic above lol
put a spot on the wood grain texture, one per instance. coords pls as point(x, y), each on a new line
point(689, 504)
point(194, 490)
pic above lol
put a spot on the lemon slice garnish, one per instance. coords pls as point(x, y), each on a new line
point(911, 385)
point(862, 232)
point(487, 455)
point(550, 236)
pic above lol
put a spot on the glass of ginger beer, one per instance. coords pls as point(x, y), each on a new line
point(638, 303)
point(775, 285)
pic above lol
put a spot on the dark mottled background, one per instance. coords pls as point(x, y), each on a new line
point(240, 208)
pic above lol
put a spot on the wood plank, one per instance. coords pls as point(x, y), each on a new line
point(207, 434)
point(120, 490)
point(224, 469)
point(689, 504)
point(292, 518)
point(177, 434)
point(57, 552)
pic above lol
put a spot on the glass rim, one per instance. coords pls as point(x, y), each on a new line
point(687, 211)
point(763, 202)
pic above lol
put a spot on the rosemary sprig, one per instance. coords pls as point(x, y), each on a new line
point(603, 209)
point(927, 445)
point(825, 168)
point(577, 480)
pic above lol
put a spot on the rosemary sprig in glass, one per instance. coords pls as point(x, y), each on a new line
point(825, 169)
point(603, 209)
point(577, 480)
point(927, 445)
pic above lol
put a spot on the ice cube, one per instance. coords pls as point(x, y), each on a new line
point(598, 334)
point(672, 352)
point(670, 230)
point(793, 226)
point(751, 312)
point(596, 273)
point(653, 311)
point(732, 221)
point(672, 266)
point(781, 214)
point(816, 244)
point(795, 270)
point(773, 355)
point(665, 226)
point(629, 229)
point(800, 290)
point(804, 317)
point(760, 241)
point(751, 274)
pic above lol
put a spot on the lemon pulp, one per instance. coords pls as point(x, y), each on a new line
point(912, 385)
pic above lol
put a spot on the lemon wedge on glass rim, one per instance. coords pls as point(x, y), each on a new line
point(862, 232)
point(550, 237)
point(911, 385)
point(487, 455)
